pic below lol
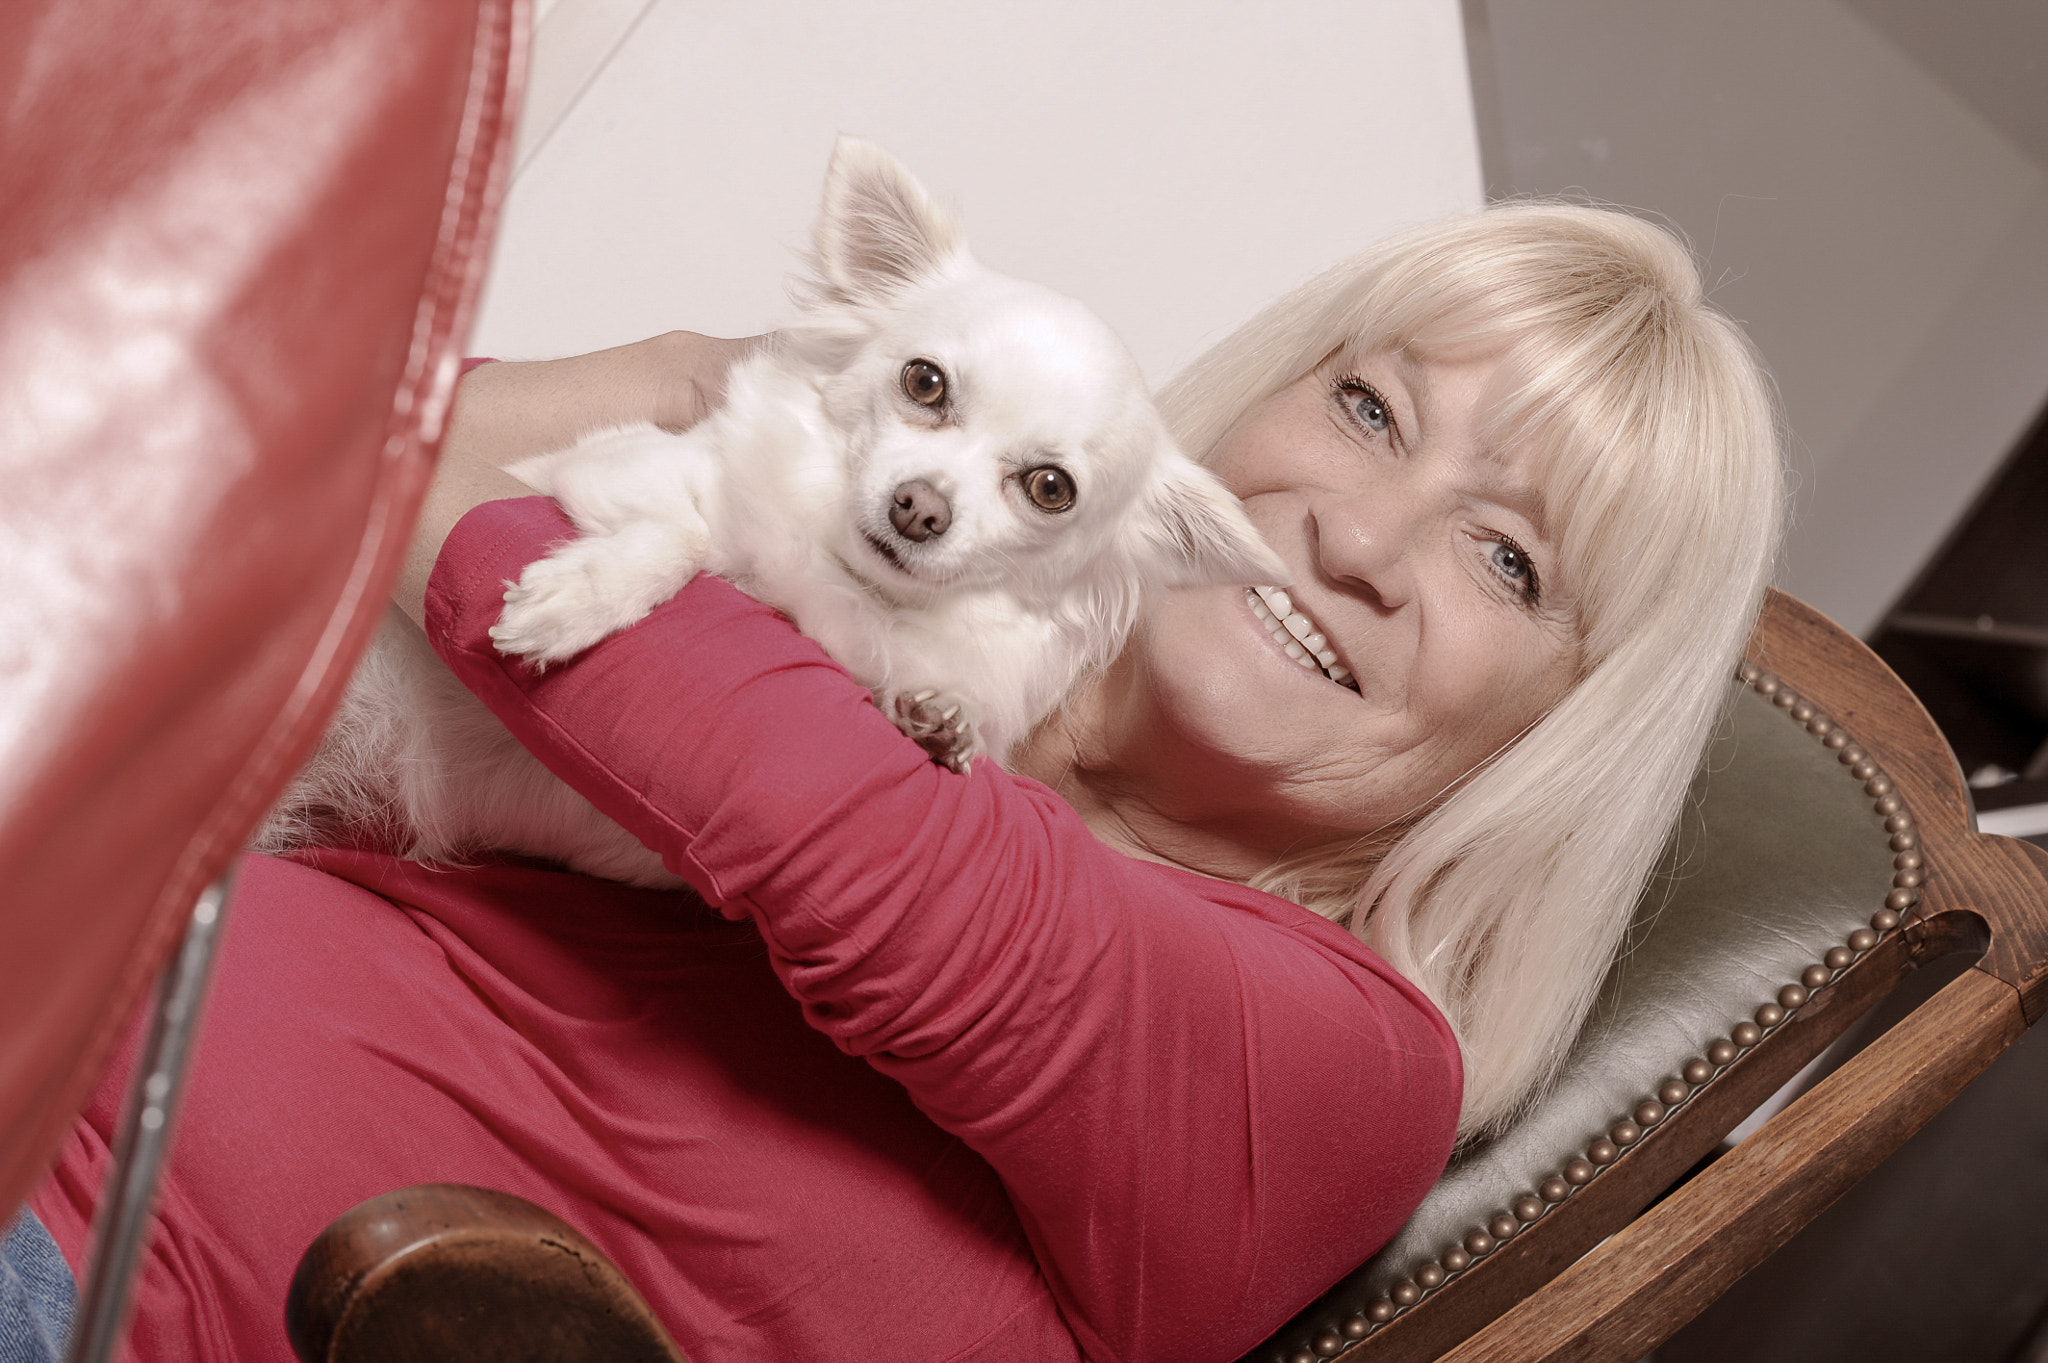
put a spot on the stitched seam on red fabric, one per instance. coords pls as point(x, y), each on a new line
point(994, 1331)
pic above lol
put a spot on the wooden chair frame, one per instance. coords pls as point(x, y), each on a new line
point(1592, 1279)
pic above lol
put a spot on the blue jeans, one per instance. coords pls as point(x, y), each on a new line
point(37, 1295)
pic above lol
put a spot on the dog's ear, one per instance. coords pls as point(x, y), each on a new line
point(1198, 534)
point(878, 229)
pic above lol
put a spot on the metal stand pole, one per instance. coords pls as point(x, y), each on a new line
point(145, 1135)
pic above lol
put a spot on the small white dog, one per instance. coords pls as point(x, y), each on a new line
point(952, 480)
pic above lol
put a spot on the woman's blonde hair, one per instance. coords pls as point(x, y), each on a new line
point(1507, 900)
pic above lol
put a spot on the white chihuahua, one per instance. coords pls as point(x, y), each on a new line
point(952, 480)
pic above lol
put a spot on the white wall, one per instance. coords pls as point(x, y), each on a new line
point(1172, 165)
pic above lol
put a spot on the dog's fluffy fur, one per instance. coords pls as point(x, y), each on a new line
point(871, 473)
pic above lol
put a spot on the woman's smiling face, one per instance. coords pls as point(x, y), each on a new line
point(1423, 561)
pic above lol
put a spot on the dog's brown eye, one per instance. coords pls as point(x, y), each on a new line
point(1049, 488)
point(924, 383)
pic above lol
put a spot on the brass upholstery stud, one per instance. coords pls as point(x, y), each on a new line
point(1909, 878)
point(1722, 1052)
point(1884, 920)
point(1455, 1259)
point(1328, 1344)
point(1527, 1207)
point(1503, 1226)
point(1864, 769)
point(1784, 699)
point(1902, 899)
point(1909, 860)
point(1649, 1112)
point(1478, 1243)
point(1405, 1293)
point(1578, 1173)
point(1877, 785)
point(1356, 1326)
point(1625, 1133)
point(1904, 840)
point(1380, 1312)
point(1837, 739)
point(1554, 1189)
point(1850, 755)
point(1698, 1071)
point(1672, 1092)
point(1814, 976)
point(1766, 684)
point(1603, 1151)
point(1838, 958)
point(1747, 1034)
point(1897, 823)
point(1429, 1275)
point(1301, 1356)
point(1792, 996)
point(1803, 710)
point(1768, 1015)
point(1861, 940)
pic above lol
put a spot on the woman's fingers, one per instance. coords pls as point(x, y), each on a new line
point(507, 412)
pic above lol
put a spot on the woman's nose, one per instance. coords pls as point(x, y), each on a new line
point(1368, 539)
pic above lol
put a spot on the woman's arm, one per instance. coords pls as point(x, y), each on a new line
point(509, 411)
point(1205, 1104)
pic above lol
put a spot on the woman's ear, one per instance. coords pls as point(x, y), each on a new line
point(878, 230)
point(1198, 535)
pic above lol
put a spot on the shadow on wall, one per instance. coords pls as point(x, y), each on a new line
point(1867, 183)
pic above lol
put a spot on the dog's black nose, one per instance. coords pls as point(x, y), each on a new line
point(919, 511)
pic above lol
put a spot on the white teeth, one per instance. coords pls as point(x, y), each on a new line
point(1297, 634)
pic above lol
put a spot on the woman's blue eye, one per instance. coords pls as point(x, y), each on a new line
point(1371, 409)
point(1511, 561)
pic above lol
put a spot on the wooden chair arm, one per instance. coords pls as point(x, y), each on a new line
point(1635, 1290)
point(446, 1273)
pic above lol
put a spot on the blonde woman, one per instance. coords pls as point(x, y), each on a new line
point(1644, 428)
point(1127, 1054)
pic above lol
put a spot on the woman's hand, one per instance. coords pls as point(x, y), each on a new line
point(507, 412)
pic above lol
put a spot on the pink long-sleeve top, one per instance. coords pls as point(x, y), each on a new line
point(958, 1081)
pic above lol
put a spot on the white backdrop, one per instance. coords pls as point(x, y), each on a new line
point(1172, 165)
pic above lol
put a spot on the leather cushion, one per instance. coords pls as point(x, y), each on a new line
point(1779, 857)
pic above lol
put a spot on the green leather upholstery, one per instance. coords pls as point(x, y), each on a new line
point(1779, 858)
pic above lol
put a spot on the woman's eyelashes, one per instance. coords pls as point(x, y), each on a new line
point(1366, 406)
point(1511, 563)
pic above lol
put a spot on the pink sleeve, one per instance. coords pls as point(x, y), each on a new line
point(1206, 1104)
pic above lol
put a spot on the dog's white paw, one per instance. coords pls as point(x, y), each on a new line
point(939, 722)
point(591, 588)
point(557, 609)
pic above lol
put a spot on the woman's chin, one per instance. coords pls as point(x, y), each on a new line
point(1217, 671)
